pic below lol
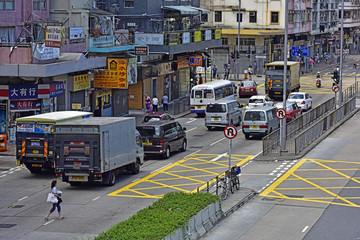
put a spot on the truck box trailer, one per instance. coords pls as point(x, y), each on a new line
point(97, 149)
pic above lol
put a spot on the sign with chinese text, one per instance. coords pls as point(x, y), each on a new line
point(110, 79)
point(81, 82)
point(53, 36)
point(45, 53)
point(149, 39)
point(141, 50)
point(25, 105)
point(23, 91)
point(182, 62)
point(34, 128)
point(217, 33)
point(186, 37)
point(197, 36)
point(207, 35)
point(56, 89)
point(76, 106)
point(173, 38)
point(195, 61)
point(132, 71)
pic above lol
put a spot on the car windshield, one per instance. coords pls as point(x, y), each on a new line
point(256, 100)
point(248, 84)
point(288, 106)
point(216, 108)
point(151, 119)
point(296, 96)
point(149, 131)
point(254, 116)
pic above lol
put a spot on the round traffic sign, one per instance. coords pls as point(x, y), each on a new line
point(230, 131)
point(280, 113)
point(335, 88)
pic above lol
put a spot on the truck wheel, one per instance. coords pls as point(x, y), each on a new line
point(183, 147)
point(112, 178)
point(167, 153)
point(135, 168)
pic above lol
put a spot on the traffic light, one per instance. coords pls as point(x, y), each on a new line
point(300, 52)
point(233, 55)
point(237, 54)
point(209, 61)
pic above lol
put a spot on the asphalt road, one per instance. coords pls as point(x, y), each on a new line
point(91, 209)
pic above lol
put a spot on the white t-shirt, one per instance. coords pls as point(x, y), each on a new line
point(155, 101)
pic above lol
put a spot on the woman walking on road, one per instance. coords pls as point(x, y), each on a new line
point(57, 194)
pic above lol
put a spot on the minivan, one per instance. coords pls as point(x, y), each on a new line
point(162, 137)
point(259, 121)
point(222, 113)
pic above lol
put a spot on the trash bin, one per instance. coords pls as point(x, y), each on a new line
point(3, 146)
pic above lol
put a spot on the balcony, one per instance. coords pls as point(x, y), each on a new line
point(176, 42)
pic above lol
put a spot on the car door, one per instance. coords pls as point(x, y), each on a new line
point(180, 135)
point(170, 136)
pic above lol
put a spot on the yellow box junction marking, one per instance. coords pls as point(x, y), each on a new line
point(274, 191)
point(198, 164)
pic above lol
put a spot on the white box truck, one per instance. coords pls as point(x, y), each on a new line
point(97, 149)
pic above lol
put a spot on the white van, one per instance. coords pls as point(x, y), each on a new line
point(222, 113)
point(259, 121)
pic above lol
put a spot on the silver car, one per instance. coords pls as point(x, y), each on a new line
point(222, 113)
point(302, 99)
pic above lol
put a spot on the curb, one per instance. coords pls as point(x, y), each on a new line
point(240, 203)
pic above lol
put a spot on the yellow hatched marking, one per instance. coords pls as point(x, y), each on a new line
point(239, 159)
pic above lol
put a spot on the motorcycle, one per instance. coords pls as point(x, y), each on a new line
point(318, 82)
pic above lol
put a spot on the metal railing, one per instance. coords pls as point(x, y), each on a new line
point(271, 142)
point(305, 138)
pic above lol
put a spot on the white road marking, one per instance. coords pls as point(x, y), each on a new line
point(190, 129)
point(161, 168)
point(217, 141)
point(136, 180)
point(191, 120)
point(23, 198)
point(192, 153)
point(305, 228)
point(95, 198)
point(3, 175)
point(218, 157)
point(48, 222)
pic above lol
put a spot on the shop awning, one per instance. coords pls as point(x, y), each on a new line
point(256, 32)
point(184, 10)
point(203, 11)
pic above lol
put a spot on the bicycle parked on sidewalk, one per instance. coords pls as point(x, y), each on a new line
point(228, 182)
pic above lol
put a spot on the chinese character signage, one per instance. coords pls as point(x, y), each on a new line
point(81, 82)
point(53, 36)
point(149, 38)
point(25, 105)
point(182, 62)
point(141, 50)
point(132, 71)
point(110, 79)
point(23, 91)
point(217, 33)
point(34, 128)
point(195, 61)
point(76, 33)
point(197, 36)
point(56, 89)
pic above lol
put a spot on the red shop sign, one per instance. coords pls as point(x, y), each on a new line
point(25, 105)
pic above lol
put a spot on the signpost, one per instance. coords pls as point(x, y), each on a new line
point(335, 89)
point(280, 113)
point(230, 132)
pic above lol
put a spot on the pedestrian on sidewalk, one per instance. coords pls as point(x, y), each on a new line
point(57, 193)
point(147, 102)
point(155, 103)
point(214, 71)
point(200, 79)
point(165, 102)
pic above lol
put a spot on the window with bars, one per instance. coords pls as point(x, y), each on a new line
point(275, 17)
point(253, 17)
point(129, 3)
point(218, 16)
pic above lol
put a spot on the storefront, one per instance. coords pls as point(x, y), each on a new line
point(79, 88)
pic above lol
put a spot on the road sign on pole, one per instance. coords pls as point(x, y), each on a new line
point(230, 132)
point(335, 88)
point(280, 113)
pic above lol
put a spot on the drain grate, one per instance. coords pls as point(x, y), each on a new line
point(7, 225)
point(294, 196)
point(198, 135)
point(16, 206)
point(196, 146)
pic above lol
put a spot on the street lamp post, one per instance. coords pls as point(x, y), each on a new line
point(283, 121)
point(238, 44)
point(341, 52)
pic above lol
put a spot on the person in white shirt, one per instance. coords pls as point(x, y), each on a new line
point(155, 103)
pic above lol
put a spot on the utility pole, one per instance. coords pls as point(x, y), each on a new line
point(238, 45)
point(341, 52)
point(283, 121)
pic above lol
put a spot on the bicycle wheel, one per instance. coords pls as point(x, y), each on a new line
point(237, 182)
point(222, 192)
point(231, 184)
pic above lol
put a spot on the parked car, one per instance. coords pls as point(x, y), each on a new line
point(162, 137)
point(259, 100)
point(248, 88)
point(292, 110)
point(156, 117)
point(222, 113)
point(259, 121)
point(302, 99)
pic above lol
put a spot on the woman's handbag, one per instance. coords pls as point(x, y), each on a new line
point(51, 198)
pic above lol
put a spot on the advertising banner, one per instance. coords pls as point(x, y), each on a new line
point(56, 89)
point(82, 82)
point(34, 128)
point(110, 79)
point(45, 53)
point(195, 61)
point(207, 35)
point(53, 36)
point(132, 71)
point(25, 105)
point(186, 37)
point(76, 33)
point(197, 36)
point(23, 91)
point(149, 38)
point(217, 33)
